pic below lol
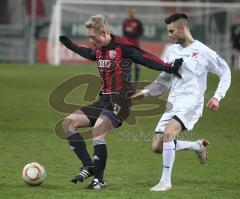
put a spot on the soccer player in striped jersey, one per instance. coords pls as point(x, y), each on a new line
point(186, 95)
point(114, 57)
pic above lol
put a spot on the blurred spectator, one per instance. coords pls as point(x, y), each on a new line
point(4, 12)
point(40, 9)
point(42, 30)
point(235, 39)
point(132, 31)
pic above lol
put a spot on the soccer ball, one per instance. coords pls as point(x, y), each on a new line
point(33, 173)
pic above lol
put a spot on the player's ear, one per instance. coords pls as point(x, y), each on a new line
point(181, 28)
point(103, 32)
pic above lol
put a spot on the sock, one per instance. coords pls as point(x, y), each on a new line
point(181, 145)
point(79, 147)
point(168, 160)
point(99, 159)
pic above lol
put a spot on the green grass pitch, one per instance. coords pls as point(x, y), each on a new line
point(27, 134)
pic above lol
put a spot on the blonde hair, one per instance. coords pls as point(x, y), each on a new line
point(98, 23)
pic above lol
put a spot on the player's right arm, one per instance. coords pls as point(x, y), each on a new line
point(158, 87)
point(141, 57)
point(87, 53)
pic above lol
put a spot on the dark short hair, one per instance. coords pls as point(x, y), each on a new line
point(176, 16)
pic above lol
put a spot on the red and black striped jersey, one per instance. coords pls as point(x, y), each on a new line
point(114, 63)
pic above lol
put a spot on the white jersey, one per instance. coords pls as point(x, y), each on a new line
point(188, 93)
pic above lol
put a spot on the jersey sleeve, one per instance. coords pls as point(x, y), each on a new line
point(141, 57)
point(217, 65)
point(87, 53)
point(159, 86)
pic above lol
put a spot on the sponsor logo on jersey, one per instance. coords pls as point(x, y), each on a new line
point(104, 63)
point(183, 55)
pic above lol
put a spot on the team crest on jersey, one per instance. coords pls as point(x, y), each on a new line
point(195, 54)
point(112, 54)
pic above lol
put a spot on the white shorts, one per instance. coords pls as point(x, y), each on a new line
point(188, 118)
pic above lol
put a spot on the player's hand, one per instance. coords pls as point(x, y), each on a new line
point(213, 104)
point(137, 96)
point(176, 66)
point(65, 40)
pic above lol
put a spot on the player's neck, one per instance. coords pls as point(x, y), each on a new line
point(189, 40)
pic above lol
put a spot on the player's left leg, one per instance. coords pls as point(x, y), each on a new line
point(168, 152)
point(101, 128)
point(199, 146)
point(115, 111)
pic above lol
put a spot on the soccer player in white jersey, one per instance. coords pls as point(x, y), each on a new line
point(186, 95)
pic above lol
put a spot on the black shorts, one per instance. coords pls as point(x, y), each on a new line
point(115, 106)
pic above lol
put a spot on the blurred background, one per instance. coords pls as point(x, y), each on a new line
point(29, 29)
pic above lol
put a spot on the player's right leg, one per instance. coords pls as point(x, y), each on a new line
point(70, 125)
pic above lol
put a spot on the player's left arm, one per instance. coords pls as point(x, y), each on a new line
point(213, 104)
point(218, 66)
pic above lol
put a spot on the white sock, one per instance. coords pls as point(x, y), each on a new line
point(181, 145)
point(168, 155)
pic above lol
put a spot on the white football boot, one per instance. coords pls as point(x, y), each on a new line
point(162, 186)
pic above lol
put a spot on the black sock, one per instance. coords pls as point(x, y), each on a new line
point(99, 160)
point(78, 145)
